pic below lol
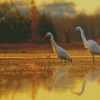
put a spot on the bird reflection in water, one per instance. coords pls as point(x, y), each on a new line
point(91, 77)
point(62, 80)
point(60, 74)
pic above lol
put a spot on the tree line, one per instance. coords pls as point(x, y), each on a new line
point(15, 28)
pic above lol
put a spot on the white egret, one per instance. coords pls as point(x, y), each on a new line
point(60, 52)
point(91, 45)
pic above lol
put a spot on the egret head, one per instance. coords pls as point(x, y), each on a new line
point(78, 28)
point(49, 34)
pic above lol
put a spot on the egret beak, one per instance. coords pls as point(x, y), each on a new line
point(44, 37)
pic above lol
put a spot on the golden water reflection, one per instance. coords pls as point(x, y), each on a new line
point(49, 80)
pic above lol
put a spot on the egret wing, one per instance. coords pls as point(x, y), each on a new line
point(94, 47)
point(63, 54)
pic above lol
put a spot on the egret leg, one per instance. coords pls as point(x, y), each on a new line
point(65, 61)
point(93, 58)
point(71, 61)
point(61, 60)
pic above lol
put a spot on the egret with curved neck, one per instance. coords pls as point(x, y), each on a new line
point(60, 52)
point(91, 45)
point(83, 36)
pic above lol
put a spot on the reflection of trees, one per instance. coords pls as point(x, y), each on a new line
point(11, 85)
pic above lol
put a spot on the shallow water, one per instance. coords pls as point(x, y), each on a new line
point(49, 79)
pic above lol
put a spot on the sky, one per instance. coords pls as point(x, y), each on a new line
point(87, 6)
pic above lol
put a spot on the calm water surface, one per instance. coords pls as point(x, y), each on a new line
point(49, 79)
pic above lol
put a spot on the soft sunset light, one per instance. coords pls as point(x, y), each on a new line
point(49, 49)
point(46, 95)
point(88, 6)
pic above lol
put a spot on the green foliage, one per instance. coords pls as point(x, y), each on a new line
point(46, 26)
point(16, 28)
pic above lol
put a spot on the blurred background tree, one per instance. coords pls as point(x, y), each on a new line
point(28, 24)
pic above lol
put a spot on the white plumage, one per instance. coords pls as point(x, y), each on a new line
point(60, 52)
point(91, 45)
point(94, 47)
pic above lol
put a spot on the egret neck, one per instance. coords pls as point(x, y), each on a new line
point(83, 37)
point(54, 45)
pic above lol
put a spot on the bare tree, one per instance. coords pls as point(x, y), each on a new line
point(35, 20)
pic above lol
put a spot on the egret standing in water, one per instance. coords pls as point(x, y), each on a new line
point(91, 45)
point(60, 52)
